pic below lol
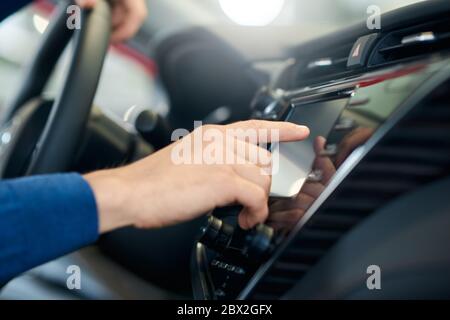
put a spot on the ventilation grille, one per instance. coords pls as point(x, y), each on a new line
point(412, 154)
point(329, 66)
point(411, 43)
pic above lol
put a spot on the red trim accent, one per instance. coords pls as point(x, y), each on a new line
point(148, 64)
point(391, 75)
point(46, 7)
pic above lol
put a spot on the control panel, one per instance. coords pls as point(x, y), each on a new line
point(344, 117)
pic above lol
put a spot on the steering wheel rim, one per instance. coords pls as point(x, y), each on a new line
point(70, 111)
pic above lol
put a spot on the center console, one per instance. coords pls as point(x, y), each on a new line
point(369, 143)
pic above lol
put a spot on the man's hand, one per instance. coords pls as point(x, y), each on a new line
point(127, 17)
point(156, 192)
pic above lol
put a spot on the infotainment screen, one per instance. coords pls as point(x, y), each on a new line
point(295, 159)
point(338, 127)
point(343, 117)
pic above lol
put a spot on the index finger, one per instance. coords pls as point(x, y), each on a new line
point(287, 131)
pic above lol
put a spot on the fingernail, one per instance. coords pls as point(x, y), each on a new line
point(303, 128)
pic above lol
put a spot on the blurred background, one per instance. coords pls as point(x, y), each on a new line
point(132, 75)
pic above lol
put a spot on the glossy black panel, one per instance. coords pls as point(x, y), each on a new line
point(339, 126)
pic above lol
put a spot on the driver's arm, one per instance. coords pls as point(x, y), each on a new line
point(44, 217)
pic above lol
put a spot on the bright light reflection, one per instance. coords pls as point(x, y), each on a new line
point(252, 12)
point(40, 23)
point(6, 138)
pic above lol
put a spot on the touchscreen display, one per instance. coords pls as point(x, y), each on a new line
point(338, 127)
point(295, 159)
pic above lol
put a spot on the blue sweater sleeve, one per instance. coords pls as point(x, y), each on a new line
point(42, 218)
point(8, 7)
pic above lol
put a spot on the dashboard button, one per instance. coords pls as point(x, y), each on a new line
point(361, 51)
point(216, 234)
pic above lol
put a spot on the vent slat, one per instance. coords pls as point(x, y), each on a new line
point(296, 268)
point(334, 222)
point(388, 185)
point(303, 253)
point(412, 43)
point(354, 206)
point(319, 235)
point(315, 71)
point(412, 153)
point(389, 168)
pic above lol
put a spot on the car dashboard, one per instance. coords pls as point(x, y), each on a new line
point(377, 104)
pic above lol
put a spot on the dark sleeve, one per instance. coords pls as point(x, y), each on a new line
point(42, 218)
point(8, 7)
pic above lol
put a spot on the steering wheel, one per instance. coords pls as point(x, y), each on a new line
point(39, 136)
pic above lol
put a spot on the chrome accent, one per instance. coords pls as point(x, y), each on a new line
point(270, 108)
point(419, 37)
point(345, 92)
point(322, 62)
point(336, 85)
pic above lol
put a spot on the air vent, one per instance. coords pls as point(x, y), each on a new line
point(414, 153)
point(326, 66)
point(412, 43)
